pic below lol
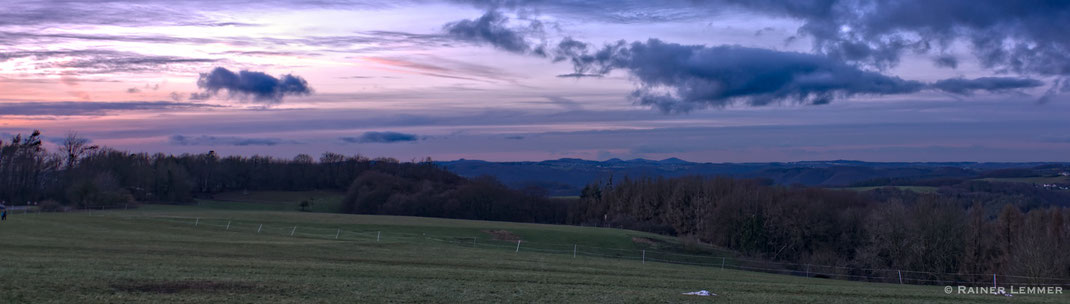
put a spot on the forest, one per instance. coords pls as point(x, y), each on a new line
point(966, 227)
point(950, 231)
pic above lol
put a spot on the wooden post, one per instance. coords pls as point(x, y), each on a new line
point(258, 228)
point(337, 233)
point(900, 276)
point(517, 246)
point(292, 231)
point(573, 251)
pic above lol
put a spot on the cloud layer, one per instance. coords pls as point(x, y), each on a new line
point(379, 137)
point(206, 140)
point(77, 108)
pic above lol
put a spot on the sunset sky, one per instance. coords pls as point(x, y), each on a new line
point(711, 81)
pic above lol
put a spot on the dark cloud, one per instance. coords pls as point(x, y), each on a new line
point(491, 29)
point(1025, 37)
point(379, 137)
point(133, 90)
point(1018, 36)
point(579, 75)
point(206, 140)
point(617, 11)
point(79, 108)
point(679, 78)
point(946, 61)
point(989, 84)
point(261, 87)
point(514, 137)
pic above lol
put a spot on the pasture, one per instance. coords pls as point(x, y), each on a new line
point(166, 254)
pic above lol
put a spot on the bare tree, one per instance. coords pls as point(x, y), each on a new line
point(75, 148)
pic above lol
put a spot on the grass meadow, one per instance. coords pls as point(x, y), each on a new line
point(161, 253)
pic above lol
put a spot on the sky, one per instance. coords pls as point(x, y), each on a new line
point(514, 80)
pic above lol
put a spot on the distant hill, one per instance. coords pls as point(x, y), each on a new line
point(567, 176)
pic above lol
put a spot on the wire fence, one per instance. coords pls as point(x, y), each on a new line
point(898, 276)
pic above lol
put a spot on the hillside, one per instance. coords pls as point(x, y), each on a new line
point(158, 255)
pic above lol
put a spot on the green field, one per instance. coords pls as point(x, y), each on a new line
point(322, 201)
point(156, 254)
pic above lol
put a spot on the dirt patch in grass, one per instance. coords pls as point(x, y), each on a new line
point(645, 241)
point(502, 235)
point(180, 286)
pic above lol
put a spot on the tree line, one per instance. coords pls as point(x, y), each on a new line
point(888, 229)
point(81, 175)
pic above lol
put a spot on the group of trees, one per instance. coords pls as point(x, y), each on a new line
point(889, 229)
point(446, 195)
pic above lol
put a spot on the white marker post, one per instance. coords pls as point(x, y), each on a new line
point(198, 222)
point(377, 235)
point(228, 225)
point(722, 263)
point(258, 228)
point(337, 233)
point(517, 246)
point(644, 256)
point(900, 276)
point(573, 251)
point(292, 231)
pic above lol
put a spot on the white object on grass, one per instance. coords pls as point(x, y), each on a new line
point(703, 293)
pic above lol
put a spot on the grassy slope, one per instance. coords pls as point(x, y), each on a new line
point(114, 257)
point(322, 201)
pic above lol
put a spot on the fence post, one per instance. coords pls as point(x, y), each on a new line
point(197, 222)
point(993, 280)
point(517, 246)
point(900, 276)
point(228, 225)
point(722, 263)
point(644, 256)
point(292, 231)
point(258, 228)
point(573, 251)
point(377, 235)
point(337, 233)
